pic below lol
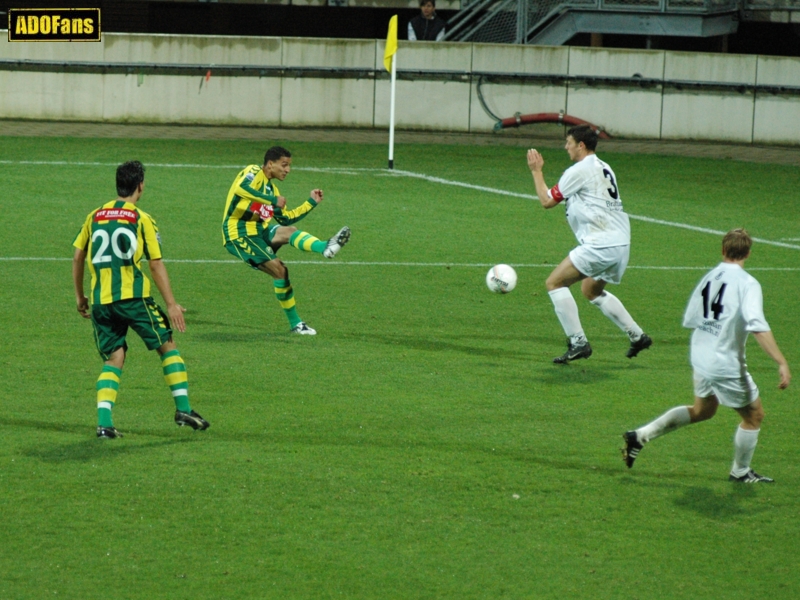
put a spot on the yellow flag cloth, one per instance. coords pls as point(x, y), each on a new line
point(391, 44)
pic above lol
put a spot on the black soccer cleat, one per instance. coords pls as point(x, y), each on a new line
point(750, 477)
point(632, 447)
point(643, 343)
point(574, 352)
point(192, 419)
point(108, 433)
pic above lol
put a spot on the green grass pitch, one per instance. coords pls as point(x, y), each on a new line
point(422, 445)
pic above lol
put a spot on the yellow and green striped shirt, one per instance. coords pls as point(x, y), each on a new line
point(251, 205)
point(116, 237)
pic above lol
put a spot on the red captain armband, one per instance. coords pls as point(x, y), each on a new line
point(265, 211)
point(556, 194)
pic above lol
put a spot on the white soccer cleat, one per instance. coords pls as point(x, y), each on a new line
point(336, 242)
point(303, 329)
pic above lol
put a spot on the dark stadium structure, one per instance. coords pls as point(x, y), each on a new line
point(752, 36)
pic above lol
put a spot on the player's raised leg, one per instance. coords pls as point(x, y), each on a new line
point(602, 266)
point(337, 242)
point(675, 418)
point(302, 240)
point(612, 307)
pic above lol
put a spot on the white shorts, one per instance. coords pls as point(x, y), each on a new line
point(606, 264)
point(733, 392)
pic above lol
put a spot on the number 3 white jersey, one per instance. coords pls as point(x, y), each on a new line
point(724, 308)
point(594, 206)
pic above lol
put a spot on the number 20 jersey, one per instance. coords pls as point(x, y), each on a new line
point(724, 308)
point(594, 206)
point(116, 237)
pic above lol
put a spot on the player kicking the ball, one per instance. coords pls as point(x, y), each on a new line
point(724, 308)
point(594, 212)
point(248, 232)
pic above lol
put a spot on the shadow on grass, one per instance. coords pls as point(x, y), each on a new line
point(46, 426)
point(414, 342)
point(224, 337)
point(219, 337)
point(719, 506)
point(572, 374)
point(93, 449)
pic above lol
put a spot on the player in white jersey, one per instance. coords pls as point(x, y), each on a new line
point(594, 212)
point(724, 308)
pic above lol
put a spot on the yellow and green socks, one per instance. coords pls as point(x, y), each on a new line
point(285, 295)
point(307, 242)
point(107, 389)
point(175, 375)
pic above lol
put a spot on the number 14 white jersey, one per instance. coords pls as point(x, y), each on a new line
point(724, 308)
point(594, 206)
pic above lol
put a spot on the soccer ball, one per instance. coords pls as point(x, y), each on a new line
point(501, 279)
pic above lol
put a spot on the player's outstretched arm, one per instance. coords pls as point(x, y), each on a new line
point(174, 310)
point(536, 164)
point(767, 342)
point(81, 301)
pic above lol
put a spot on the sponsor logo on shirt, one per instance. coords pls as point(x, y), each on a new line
point(712, 327)
point(116, 214)
point(265, 211)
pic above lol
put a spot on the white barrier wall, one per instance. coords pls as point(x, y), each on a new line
point(634, 110)
point(776, 116)
point(652, 111)
point(508, 98)
point(711, 115)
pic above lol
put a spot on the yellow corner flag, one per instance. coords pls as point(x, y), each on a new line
point(391, 44)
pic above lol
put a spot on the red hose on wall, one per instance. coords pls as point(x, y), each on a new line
point(559, 118)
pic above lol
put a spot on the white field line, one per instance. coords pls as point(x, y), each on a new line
point(334, 170)
point(358, 263)
point(636, 217)
point(401, 173)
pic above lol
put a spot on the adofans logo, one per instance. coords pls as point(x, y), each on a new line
point(53, 24)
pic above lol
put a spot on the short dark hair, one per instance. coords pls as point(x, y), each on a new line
point(129, 175)
point(736, 244)
point(276, 153)
point(424, 2)
point(585, 134)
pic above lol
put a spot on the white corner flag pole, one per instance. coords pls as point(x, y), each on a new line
point(391, 112)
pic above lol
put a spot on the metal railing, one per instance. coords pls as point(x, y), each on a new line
point(513, 21)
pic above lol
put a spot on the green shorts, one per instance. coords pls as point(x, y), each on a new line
point(254, 250)
point(143, 315)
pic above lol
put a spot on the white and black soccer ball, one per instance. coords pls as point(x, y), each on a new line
point(501, 279)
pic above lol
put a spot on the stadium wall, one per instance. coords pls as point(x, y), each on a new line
point(440, 85)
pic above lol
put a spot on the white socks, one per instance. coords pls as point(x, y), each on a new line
point(567, 313)
point(744, 444)
point(611, 307)
point(669, 421)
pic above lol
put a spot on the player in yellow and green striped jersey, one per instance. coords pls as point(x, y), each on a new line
point(112, 242)
point(248, 231)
